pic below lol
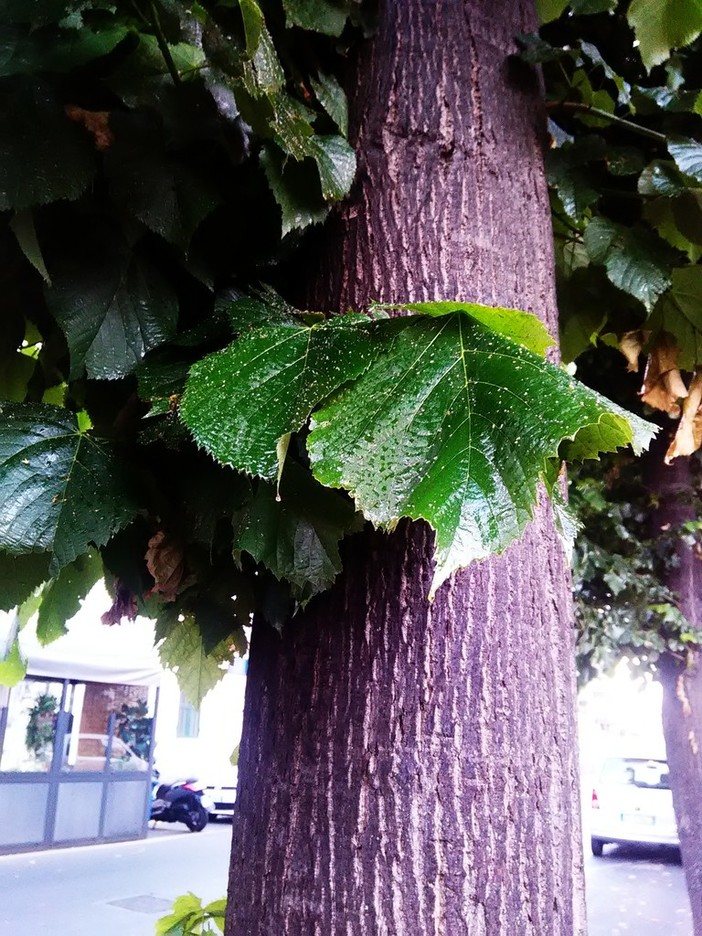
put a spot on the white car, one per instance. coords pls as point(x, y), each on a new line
point(222, 793)
point(632, 803)
point(90, 753)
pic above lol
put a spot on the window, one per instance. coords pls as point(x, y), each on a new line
point(188, 719)
point(32, 715)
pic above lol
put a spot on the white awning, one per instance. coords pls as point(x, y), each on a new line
point(92, 651)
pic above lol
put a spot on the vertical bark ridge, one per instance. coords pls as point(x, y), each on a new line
point(409, 768)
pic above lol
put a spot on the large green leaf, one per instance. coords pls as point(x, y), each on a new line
point(680, 314)
point(663, 25)
point(522, 327)
point(153, 185)
point(113, 308)
point(60, 489)
point(635, 261)
point(455, 425)
point(183, 650)
point(35, 130)
point(240, 402)
point(61, 599)
point(19, 576)
point(296, 533)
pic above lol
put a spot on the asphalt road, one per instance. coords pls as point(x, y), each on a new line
point(111, 890)
point(121, 890)
point(637, 891)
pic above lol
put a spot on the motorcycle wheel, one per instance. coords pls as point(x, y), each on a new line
point(196, 818)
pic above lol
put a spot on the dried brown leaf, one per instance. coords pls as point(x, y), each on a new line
point(165, 561)
point(688, 438)
point(663, 385)
point(95, 122)
point(631, 345)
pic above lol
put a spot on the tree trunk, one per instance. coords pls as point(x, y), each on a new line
point(407, 767)
point(676, 488)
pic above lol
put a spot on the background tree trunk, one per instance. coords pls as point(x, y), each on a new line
point(406, 767)
point(676, 488)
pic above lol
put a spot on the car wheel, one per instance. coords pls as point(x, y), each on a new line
point(597, 844)
point(196, 818)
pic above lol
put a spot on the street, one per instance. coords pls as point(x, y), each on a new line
point(638, 891)
point(113, 890)
point(122, 889)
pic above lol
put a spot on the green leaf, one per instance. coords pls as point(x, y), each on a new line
point(322, 16)
point(240, 401)
point(569, 173)
point(680, 314)
point(19, 576)
point(15, 375)
point(162, 192)
point(112, 308)
point(55, 50)
point(183, 650)
point(687, 212)
point(63, 595)
point(635, 261)
point(37, 12)
point(13, 668)
point(586, 7)
point(333, 99)
point(548, 10)
point(254, 25)
point(22, 224)
point(296, 535)
point(663, 25)
point(523, 327)
point(687, 155)
point(293, 190)
point(35, 130)
point(336, 162)
point(454, 425)
point(661, 177)
point(661, 215)
point(51, 478)
point(245, 312)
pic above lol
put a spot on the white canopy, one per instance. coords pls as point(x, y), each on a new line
point(91, 651)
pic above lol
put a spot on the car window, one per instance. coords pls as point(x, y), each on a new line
point(638, 772)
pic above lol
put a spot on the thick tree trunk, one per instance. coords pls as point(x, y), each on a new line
point(407, 767)
point(681, 673)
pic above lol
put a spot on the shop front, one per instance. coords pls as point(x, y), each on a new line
point(76, 742)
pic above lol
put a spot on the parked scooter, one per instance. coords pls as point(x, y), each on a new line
point(182, 801)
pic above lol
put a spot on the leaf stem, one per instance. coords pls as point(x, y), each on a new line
point(163, 45)
point(598, 112)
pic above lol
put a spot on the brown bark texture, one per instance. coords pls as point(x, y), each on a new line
point(680, 674)
point(409, 767)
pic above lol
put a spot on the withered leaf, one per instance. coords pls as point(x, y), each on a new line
point(688, 438)
point(631, 345)
point(95, 122)
point(165, 561)
point(663, 385)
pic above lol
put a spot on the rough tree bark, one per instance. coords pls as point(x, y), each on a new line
point(680, 674)
point(406, 767)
